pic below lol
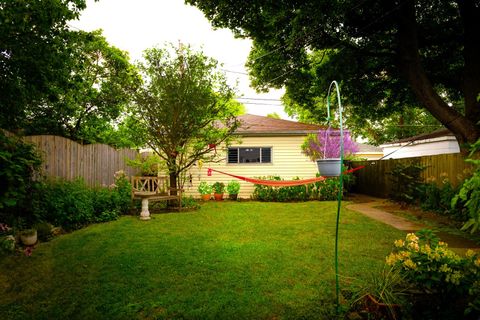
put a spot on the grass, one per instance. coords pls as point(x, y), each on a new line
point(243, 260)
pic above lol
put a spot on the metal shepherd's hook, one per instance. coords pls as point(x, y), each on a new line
point(340, 189)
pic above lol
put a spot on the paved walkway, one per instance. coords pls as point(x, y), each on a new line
point(368, 206)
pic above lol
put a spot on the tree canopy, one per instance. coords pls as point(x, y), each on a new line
point(100, 85)
point(55, 80)
point(33, 59)
point(389, 56)
point(185, 107)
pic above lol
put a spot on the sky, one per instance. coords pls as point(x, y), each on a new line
point(135, 25)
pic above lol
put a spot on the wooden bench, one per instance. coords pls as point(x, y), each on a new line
point(154, 189)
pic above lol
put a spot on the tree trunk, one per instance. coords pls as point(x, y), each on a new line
point(463, 127)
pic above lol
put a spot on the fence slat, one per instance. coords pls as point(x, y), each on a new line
point(67, 159)
point(375, 180)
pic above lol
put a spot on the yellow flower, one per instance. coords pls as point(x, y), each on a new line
point(411, 237)
point(442, 244)
point(470, 253)
point(413, 246)
point(409, 264)
point(445, 268)
point(404, 255)
point(391, 259)
point(426, 249)
point(436, 256)
point(399, 243)
point(477, 262)
point(454, 277)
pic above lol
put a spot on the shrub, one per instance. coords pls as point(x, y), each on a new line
point(406, 179)
point(444, 279)
point(44, 231)
point(69, 204)
point(190, 203)
point(326, 190)
point(469, 193)
point(438, 198)
point(218, 187)
point(72, 204)
point(19, 163)
point(204, 188)
point(233, 187)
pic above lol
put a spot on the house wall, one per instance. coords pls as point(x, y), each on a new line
point(429, 147)
point(287, 162)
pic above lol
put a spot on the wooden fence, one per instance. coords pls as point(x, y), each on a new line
point(95, 163)
point(375, 180)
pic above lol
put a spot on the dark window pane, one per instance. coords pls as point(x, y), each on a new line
point(266, 155)
point(249, 155)
point(232, 155)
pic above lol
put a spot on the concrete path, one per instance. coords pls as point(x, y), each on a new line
point(368, 206)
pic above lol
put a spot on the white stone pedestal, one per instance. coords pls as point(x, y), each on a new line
point(145, 214)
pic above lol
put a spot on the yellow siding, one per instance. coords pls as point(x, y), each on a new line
point(287, 162)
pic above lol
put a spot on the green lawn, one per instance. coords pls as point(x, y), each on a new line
point(243, 260)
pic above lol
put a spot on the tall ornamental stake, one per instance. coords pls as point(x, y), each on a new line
point(340, 181)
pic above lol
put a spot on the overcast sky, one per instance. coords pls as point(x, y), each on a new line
point(135, 25)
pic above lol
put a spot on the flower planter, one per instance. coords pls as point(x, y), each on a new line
point(29, 238)
point(218, 196)
point(233, 196)
point(329, 167)
point(206, 197)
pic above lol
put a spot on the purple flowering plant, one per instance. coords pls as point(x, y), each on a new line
point(326, 144)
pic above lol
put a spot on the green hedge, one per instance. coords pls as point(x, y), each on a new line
point(72, 204)
point(326, 190)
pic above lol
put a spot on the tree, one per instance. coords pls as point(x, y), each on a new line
point(388, 55)
point(33, 59)
point(185, 107)
point(274, 115)
point(100, 85)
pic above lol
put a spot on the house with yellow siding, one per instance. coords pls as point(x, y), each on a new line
point(267, 147)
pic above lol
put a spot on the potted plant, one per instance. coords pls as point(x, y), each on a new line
point(28, 236)
point(324, 148)
point(233, 187)
point(218, 189)
point(205, 190)
point(383, 295)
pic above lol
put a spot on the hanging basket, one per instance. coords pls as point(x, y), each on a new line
point(329, 167)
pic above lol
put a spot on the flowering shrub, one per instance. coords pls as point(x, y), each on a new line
point(433, 269)
point(326, 144)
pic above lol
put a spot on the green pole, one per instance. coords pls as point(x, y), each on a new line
point(340, 189)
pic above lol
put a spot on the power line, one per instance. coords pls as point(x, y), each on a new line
point(237, 72)
point(263, 99)
point(263, 104)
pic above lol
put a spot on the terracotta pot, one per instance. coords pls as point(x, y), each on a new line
point(382, 310)
point(218, 196)
point(206, 197)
